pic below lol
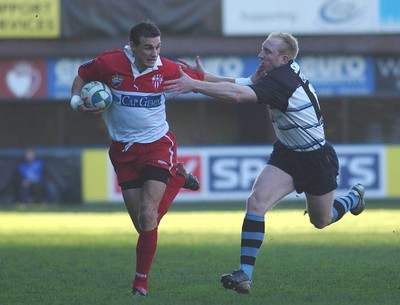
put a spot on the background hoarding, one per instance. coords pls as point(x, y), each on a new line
point(30, 19)
point(331, 75)
point(313, 17)
point(228, 173)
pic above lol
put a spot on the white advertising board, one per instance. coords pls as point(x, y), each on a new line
point(311, 17)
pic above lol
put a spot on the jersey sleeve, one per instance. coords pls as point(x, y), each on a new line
point(173, 70)
point(88, 70)
point(271, 92)
point(97, 68)
point(276, 88)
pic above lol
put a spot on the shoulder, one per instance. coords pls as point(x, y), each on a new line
point(167, 63)
point(169, 69)
point(288, 70)
point(105, 57)
point(111, 55)
point(286, 75)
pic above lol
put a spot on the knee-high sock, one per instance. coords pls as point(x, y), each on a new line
point(253, 231)
point(145, 251)
point(344, 204)
point(174, 184)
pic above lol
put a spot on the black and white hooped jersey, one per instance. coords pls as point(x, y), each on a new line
point(295, 118)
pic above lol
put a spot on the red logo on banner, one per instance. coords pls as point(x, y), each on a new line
point(23, 79)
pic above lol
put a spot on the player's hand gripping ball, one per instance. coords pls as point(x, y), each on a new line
point(98, 95)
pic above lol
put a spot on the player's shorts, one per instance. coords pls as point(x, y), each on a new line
point(313, 172)
point(137, 162)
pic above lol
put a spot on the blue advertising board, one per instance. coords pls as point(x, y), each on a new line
point(228, 173)
point(334, 75)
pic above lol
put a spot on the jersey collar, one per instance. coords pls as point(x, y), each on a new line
point(135, 71)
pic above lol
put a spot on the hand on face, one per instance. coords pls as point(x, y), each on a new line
point(259, 73)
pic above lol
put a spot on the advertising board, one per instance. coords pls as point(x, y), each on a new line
point(228, 173)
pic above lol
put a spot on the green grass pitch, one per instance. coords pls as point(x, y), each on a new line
point(85, 255)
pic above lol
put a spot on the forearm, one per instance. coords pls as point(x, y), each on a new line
point(77, 86)
point(226, 91)
point(220, 90)
point(212, 78)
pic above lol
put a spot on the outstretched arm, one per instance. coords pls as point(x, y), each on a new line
point(209, 77)
point(226, 91)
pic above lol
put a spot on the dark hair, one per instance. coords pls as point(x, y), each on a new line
point(143, 29)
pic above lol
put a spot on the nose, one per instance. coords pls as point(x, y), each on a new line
point(155, 52)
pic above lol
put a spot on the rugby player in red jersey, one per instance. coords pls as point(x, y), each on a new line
point(143, 149)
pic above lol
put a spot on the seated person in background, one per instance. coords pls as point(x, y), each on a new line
point(31, 178)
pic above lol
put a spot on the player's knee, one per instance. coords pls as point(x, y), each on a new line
point(255, 205)
point(147, 221)
point(320, 223)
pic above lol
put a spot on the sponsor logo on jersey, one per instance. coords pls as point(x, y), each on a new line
point(140, 101)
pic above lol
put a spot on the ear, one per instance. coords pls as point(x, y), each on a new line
point(285, 59)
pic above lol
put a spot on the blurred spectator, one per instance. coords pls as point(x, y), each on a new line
point(31, 177)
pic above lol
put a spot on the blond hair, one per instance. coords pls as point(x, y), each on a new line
point(290, 45)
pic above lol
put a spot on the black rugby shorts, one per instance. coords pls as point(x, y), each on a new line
point(313, 172)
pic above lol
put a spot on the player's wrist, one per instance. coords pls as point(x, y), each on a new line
point(75, 102)
point(243, 81)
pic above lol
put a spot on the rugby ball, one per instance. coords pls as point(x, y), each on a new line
point(98, 95)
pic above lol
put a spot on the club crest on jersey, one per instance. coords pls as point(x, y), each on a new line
point(157, 80)
point(116, 80)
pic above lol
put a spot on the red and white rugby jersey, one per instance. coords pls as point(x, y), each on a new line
point(137, 114)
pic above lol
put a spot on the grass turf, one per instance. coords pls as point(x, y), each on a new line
point(85, 255)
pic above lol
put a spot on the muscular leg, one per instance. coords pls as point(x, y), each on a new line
point(320, 209)
point(142, 205)
point(151, 195)
point(325, 210)
point(147, 241)
point(132, 203)
point(271, 185)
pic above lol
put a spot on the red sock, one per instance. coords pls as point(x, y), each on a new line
point(173, 186)
point(145, 251)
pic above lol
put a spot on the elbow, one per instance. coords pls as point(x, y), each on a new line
point(236, 99)
point(241, 98)
point(244, 94)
